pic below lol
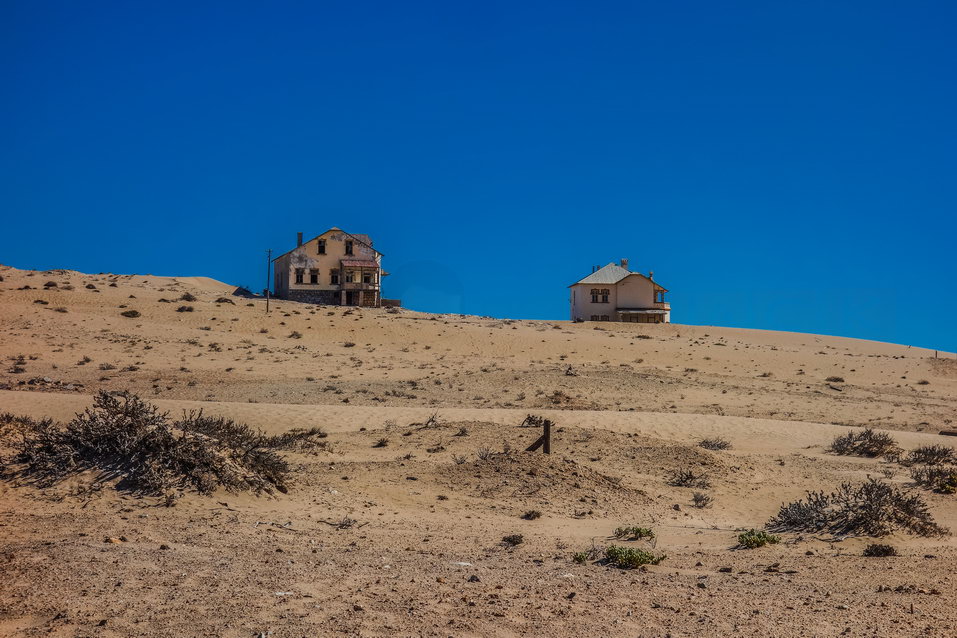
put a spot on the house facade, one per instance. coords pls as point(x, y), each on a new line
point(614, 293)
point(334, 268)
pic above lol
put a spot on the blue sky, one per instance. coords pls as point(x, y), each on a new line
point(787, 166)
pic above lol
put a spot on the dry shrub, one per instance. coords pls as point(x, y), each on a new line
point(716, 443)
point(225, 300)
point(877, 550)
point(126, 438)
point(873, 508)
point(689, 478)
point(867, 442)
point(940, 478)
point(931, 455)
point(188, 297)
point(131, 314)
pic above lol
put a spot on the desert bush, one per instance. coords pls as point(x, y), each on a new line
point(753, 538)
point(876, 550)
point(873, 508)
point(188, 297)
point(185, 309)
point(631, 557)
point(381, 442)
point(513, 539)
point(107, 366)
point(689, 478)
point(867, 442)
point(835, 379)
point(126, 438)
point(931, 455)
point(940, 478)
point(60, 309)
point(295, 334)
point(225, 300)
point(459, 459)
point(131, 314)
point(484, 453)
point(531, 515)
point(633, 533)
point(701, 500)
point(715, 444)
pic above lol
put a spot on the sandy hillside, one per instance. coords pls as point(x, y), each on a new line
point(395, 525)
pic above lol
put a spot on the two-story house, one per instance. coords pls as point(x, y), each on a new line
point(614, 293)
point(334, 268)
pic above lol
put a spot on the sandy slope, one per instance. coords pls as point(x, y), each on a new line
point(630, 403)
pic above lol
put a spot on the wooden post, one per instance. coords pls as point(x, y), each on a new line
point(545, 440)
point(268, 272)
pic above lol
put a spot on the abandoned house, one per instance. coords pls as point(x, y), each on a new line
point(334, 268)
point(614, 293)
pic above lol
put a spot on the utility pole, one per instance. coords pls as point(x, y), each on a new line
point(268, 273)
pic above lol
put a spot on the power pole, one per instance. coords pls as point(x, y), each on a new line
point(268, 273)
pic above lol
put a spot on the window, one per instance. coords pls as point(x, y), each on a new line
point(334, 277)
point(322, 246)
point(367, 277)
point(299, 273)
point(350, 276)
point(348, 246)
point(600, 295)
point(594, 317)
point(314, 276)
point(604, 317)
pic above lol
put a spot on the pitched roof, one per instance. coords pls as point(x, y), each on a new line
point(610, 274)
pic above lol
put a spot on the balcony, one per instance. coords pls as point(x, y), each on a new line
point(359, 286)
point(662, 305)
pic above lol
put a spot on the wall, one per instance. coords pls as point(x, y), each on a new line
point(583, 308)
point(635, 291)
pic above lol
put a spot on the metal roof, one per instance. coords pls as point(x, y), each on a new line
point(610, 274)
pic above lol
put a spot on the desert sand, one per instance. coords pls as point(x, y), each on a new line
point(396, 528)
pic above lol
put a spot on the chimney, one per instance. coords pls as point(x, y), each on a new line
point(651, 274)
point(298, 240)
point(624, 263)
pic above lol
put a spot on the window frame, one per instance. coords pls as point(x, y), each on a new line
point(314, 276)
point(300, 275)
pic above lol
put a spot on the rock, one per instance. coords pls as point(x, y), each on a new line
point(724, 570)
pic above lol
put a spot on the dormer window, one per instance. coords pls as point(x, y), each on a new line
point(321, 246)
point(348, 246)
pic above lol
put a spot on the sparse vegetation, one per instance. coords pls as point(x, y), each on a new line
point(225, 300)
point(631, 557)
point(188, 297)
point(531, 515)
point(835, 379)
point(715, 443)
point(513, 539)
point(185, 309)
point(940, 478)
point(753, 539)
point(131, 314)
point(867, 442)
point(931, 455)
point(126, 438)
point(689, 478)
point(877, 550)
point(382, 442)
point(701, 500)
point(633, 533)
point(873, 508)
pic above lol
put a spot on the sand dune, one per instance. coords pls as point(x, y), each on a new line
point(423, 555)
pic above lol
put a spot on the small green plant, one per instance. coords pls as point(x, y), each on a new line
point(939, 478)
point(633, 533)
point(877, 550)
point(753, 538)
point(631, 557)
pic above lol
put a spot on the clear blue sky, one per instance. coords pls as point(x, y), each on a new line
point(787, 166)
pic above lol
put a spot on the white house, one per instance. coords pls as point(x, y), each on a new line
point(614, 293)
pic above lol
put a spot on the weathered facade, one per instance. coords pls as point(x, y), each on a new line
point(614, 293)
point(334, 268)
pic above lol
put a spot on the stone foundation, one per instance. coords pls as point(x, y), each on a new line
point(319, 297)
